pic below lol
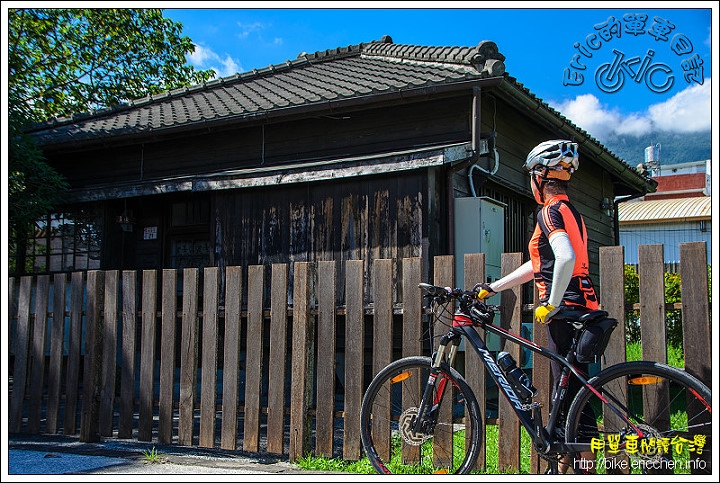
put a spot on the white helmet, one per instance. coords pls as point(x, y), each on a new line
point(557, 158)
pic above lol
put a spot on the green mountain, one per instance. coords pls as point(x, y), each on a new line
point(674, 147)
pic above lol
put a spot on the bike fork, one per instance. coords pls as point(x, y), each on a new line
point(428, 404)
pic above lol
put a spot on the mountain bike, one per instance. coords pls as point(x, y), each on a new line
point(419, 415)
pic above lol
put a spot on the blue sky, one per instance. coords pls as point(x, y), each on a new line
point(539, 45)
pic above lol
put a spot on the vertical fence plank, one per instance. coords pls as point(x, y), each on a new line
point(474, 264)
point(20, 365)
point(542, 379)
point(188, 357)
point(325, 407)
point(167, 356)
point(354, 357)
point(89, 424)
point(411, 334)
point(57, 338)
point(651, 272)
point(697, 338)
point(37, 353)
point(109, 354)
point(127, 370)
point(278, 358)
point(74, 348)
point(442, 442)
point(382, 347)
point(231, 358)
point(303, 361)
point(612, 298)
point(147, 355)
point(208, 395)
point(254, 358)
point(510, 319)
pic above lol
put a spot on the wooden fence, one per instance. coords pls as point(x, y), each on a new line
point(135, 358)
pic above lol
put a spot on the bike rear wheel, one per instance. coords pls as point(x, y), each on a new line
point(670, 407)
point(447, 444)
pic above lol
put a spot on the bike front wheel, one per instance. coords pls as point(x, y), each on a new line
point(642, 418)
point(445, 441)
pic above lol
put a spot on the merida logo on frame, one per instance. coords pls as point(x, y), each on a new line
point(611, 76)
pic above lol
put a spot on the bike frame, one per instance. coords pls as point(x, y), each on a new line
point(530, 415)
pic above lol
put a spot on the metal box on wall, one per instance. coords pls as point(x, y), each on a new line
point(479, 228)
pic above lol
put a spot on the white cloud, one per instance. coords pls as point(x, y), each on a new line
point(687, 111)
point(204, 58)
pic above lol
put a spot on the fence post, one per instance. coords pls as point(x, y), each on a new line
point(278, 358)
point(231, 357)
point(167, 355)
point(612, 298)
point(303, 350)
point(474, 264)
point(147, 355)
point(37, 353)
point(129, 354)
point(74, 347)
point(188, 357)
point(354, 357)
point(510, 319)
point(21, 356)
point(208, 391)
point(89, 424)
point(651, 272)
point(325, 405)
point(57, 338)
point(697, 337)
point(442, 442)
point(254, 357)
point(109, 338)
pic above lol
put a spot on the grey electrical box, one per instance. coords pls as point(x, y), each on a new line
point(479, 228)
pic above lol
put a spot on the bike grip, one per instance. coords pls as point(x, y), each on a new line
point(432, 289)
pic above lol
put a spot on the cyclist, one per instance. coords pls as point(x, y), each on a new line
point(558, 253)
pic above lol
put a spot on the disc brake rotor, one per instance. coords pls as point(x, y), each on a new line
point(405, 426)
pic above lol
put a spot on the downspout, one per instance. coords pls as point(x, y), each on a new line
point(471, 160)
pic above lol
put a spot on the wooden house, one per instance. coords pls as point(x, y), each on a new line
point(357, 152)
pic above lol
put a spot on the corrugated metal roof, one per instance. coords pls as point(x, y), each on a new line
point(677, 209)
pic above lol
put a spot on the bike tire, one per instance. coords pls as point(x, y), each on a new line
point(388, 409)
point(671, 408)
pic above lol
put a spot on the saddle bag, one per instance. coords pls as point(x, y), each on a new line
point(594, 339)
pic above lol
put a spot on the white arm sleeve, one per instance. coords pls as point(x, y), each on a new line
point(564, 264)
point(522, 274)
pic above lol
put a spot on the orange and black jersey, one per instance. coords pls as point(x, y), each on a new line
point(559, 215)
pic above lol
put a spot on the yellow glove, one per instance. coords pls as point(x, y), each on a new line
point(484, 291)
point(545, 312)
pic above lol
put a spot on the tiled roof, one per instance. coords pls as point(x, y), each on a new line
point(318, 80)
point(678, 209)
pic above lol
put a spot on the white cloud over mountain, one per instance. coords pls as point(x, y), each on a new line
point(687, 111)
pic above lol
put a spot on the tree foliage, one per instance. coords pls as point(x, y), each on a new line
point(66, 61)
point(673, 295)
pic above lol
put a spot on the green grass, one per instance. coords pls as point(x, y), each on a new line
point(675, 358)
point(675, 355)
point(152, 456)
point(363, 466)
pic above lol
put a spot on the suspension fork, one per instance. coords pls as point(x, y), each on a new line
point(429, 405)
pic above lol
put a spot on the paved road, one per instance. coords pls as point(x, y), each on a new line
point(60, 455)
